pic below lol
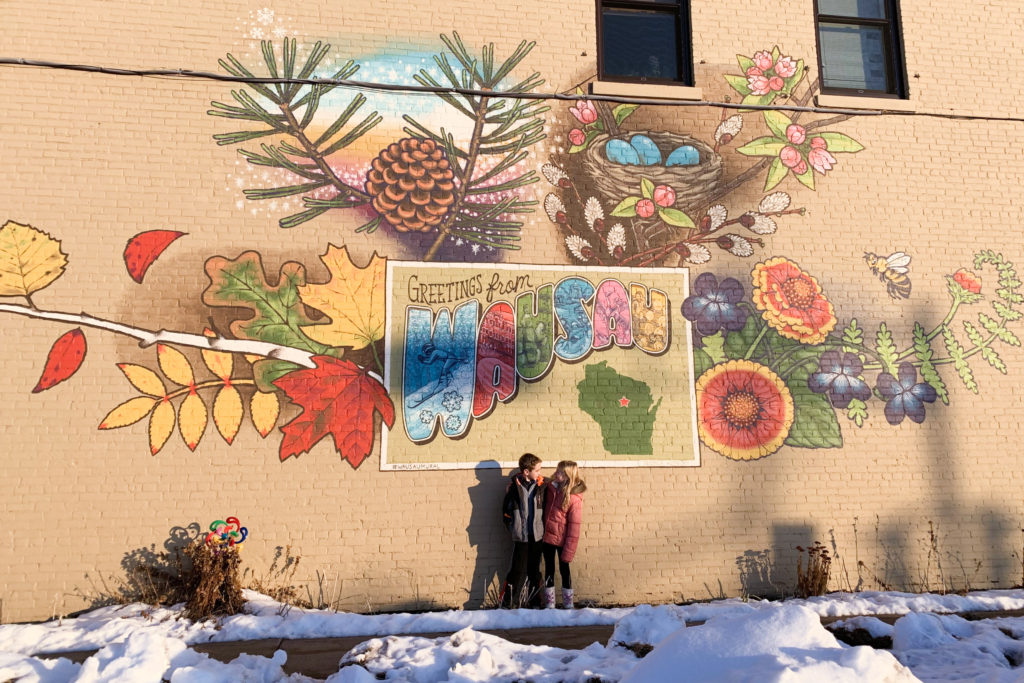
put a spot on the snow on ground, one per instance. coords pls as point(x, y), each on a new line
point(739, 641)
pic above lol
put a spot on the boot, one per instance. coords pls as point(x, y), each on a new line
point(549, 597)
point(566, 598)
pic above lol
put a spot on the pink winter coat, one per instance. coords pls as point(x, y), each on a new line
point(562, 528)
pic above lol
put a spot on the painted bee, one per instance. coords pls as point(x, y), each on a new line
point(893, 270)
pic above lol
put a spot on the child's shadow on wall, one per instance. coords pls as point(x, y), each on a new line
point(487, 533)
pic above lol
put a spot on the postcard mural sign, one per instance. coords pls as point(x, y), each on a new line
point(482, 362)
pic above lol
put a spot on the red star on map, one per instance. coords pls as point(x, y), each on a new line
point(624, 402)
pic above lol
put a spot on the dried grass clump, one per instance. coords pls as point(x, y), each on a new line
point(813, 581)
point(278, 582)
point(213, 585)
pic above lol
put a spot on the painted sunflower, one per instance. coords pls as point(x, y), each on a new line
point(745, 410)
point(791, 301)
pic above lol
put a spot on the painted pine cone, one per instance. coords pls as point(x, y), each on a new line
point(411, 182)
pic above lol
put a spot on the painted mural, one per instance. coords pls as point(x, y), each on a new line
point(442, 195)
point(657, 194)
point(776, 368)
point(476, 356)
point(461, 354)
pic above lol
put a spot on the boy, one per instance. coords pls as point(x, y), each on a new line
point(523, 514)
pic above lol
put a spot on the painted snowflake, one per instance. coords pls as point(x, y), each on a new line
point(452, 401)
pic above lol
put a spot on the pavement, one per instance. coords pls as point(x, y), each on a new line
point(318, 657)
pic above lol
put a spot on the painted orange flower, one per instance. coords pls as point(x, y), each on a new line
point(791, 301)
point(745, 411)
point(968, 280)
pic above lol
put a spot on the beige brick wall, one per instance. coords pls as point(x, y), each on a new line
point(94, 159)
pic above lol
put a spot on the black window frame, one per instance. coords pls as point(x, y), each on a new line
point(892, 32)
point(684, 47)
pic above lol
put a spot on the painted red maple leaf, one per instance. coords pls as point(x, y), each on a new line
point(338, 398)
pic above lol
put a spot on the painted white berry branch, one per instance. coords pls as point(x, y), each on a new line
point(149, 337)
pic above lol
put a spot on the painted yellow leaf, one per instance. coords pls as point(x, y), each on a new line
point(353, 299)
point(219, 362)
point(227, 412)
point(29, 259)
point(143, 379)
point(161, 424)
point(175, 365)
point(129, 412)
point(264, 409)
point(192, 420)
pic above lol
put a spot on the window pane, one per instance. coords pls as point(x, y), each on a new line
point(640, 44)
point(864, 9)
point(853, 57)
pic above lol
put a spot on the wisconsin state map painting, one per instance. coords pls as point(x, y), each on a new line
point(622, 406)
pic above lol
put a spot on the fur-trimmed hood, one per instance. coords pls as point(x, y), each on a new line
point(579, 489)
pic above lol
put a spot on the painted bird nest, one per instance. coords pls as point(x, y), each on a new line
point(693, 184)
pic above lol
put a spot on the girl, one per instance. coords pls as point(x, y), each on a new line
point(563, 511)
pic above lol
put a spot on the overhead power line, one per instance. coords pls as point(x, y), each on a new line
point(426, 89)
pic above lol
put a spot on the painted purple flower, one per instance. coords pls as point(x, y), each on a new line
point(839, 375)
point(713, 306)
point(904, 396)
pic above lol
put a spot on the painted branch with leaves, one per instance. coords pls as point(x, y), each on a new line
point(275, 348)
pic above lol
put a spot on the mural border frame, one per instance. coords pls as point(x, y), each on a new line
point(686, 327)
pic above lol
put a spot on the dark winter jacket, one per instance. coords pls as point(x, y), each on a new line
point(523, 508)
point(562, 528)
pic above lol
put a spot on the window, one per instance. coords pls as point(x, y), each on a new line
point(859, 47)
point(644, 41)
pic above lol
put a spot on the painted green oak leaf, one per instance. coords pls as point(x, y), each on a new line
point(278, 313)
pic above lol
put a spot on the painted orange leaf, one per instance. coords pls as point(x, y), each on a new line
point(143, 379)
point(264, 409)
point(129, 412)
point(227, 412)
point(161, 424)
point(192, 420)
point(143, 249)
point(219, 362)
point(353, 299)
point(338, 398)
point(65, 357)
point(29, 259)
point(175, 365)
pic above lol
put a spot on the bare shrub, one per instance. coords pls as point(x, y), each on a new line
point(813, 580)
point(213, 584)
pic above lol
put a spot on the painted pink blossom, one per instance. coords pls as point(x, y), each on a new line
point(785, 67)
point(577, 136)
point(776, 83)
point(763, 60)
point(584, 111)
point(664, 195)
point(818, 143)
point(821, 160)
point(800, 168)
point(645, 208)
point(754, 71)
point(796, 134)
point(790, 156)
point(758, 85)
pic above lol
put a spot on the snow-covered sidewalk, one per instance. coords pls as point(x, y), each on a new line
point(762, 641)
